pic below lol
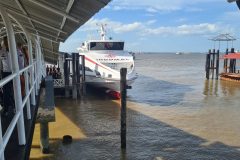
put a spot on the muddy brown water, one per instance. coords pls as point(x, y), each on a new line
point(173, 113)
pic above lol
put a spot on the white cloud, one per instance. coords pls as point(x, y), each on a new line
point(153, 6)
point(146, 28)
point(151, 10)
point(181, 20)
point(115, 26)
point(128, 27)
point(150, 22)
point(231, 16)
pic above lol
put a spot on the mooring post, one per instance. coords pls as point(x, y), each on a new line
point(217, 64)
point(66, 75)
point(123, 88)
point(213, 62)
point(233, 65)
point(47, 108)
point(207, 66)
point(230, 66)
point(74, 79)
point(78, 74)
point(226, 62)
point(44, 137)
point(83, 77)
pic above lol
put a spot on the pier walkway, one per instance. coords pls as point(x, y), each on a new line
point(31, 32)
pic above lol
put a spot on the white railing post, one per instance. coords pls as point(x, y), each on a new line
point(1, 138)
point(33, 99)
point(40, 69)
point(43, 65)
point(26, 93)
point(16, 80)
point(35, 74)
point(36, 66)
point(40, 62)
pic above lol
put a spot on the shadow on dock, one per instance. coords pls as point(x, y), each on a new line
point(147, 138)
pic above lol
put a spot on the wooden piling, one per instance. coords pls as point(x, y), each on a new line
point(74, 77)
point(83, 76)
point(207, 65)
point(66, 75)
point(233, 65)
point(78, 75)
point(213, 62)
point(47, 114)
point(226, 62)
point(44, 137)
point(123, 87)
point(217, 64)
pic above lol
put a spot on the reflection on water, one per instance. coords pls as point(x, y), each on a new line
point(211, 88)
point(230, 88)
point(173, 113)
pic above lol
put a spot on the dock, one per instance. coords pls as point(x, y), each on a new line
point(35, 125)
point(33, 29)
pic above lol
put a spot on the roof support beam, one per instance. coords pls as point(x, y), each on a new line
point(230, 1)
point(41, 32)
point(13, 10)
point(46, 38)
point(55, 11)
point(69, 6)
point(24, 11)
point(2, 30)
point(54, 53)
point(37, 21)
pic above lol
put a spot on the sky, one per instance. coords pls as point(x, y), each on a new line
point(162, 25)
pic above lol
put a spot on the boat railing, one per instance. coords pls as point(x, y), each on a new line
point(58, 83)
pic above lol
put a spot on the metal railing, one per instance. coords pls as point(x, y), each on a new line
point(58, 83)
point(32, 75)
point(26, 101)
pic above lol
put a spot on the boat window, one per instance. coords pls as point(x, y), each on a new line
point(106, 45)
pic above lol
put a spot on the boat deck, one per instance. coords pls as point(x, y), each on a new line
point(230, 77)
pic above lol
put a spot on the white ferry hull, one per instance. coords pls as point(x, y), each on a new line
point(103, 60)
point(106, 83)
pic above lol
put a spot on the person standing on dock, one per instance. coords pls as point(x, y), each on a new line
point(21, 66)
point(26, 56)
point(8, 101)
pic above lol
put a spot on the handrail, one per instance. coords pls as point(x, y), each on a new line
point(25, 69)
point(36, 70)
point(9, 131)
point(13, 123)
point(7, 79)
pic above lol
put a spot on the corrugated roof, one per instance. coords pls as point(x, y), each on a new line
point(53, 20)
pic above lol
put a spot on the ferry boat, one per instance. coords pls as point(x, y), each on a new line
point(103, 60)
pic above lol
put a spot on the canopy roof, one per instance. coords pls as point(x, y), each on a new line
point(232, 56)
point(53, 20)
point(237, 1)
point(224, 37)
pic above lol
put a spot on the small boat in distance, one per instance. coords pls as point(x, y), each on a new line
point(179, 53)
point(103, 60)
